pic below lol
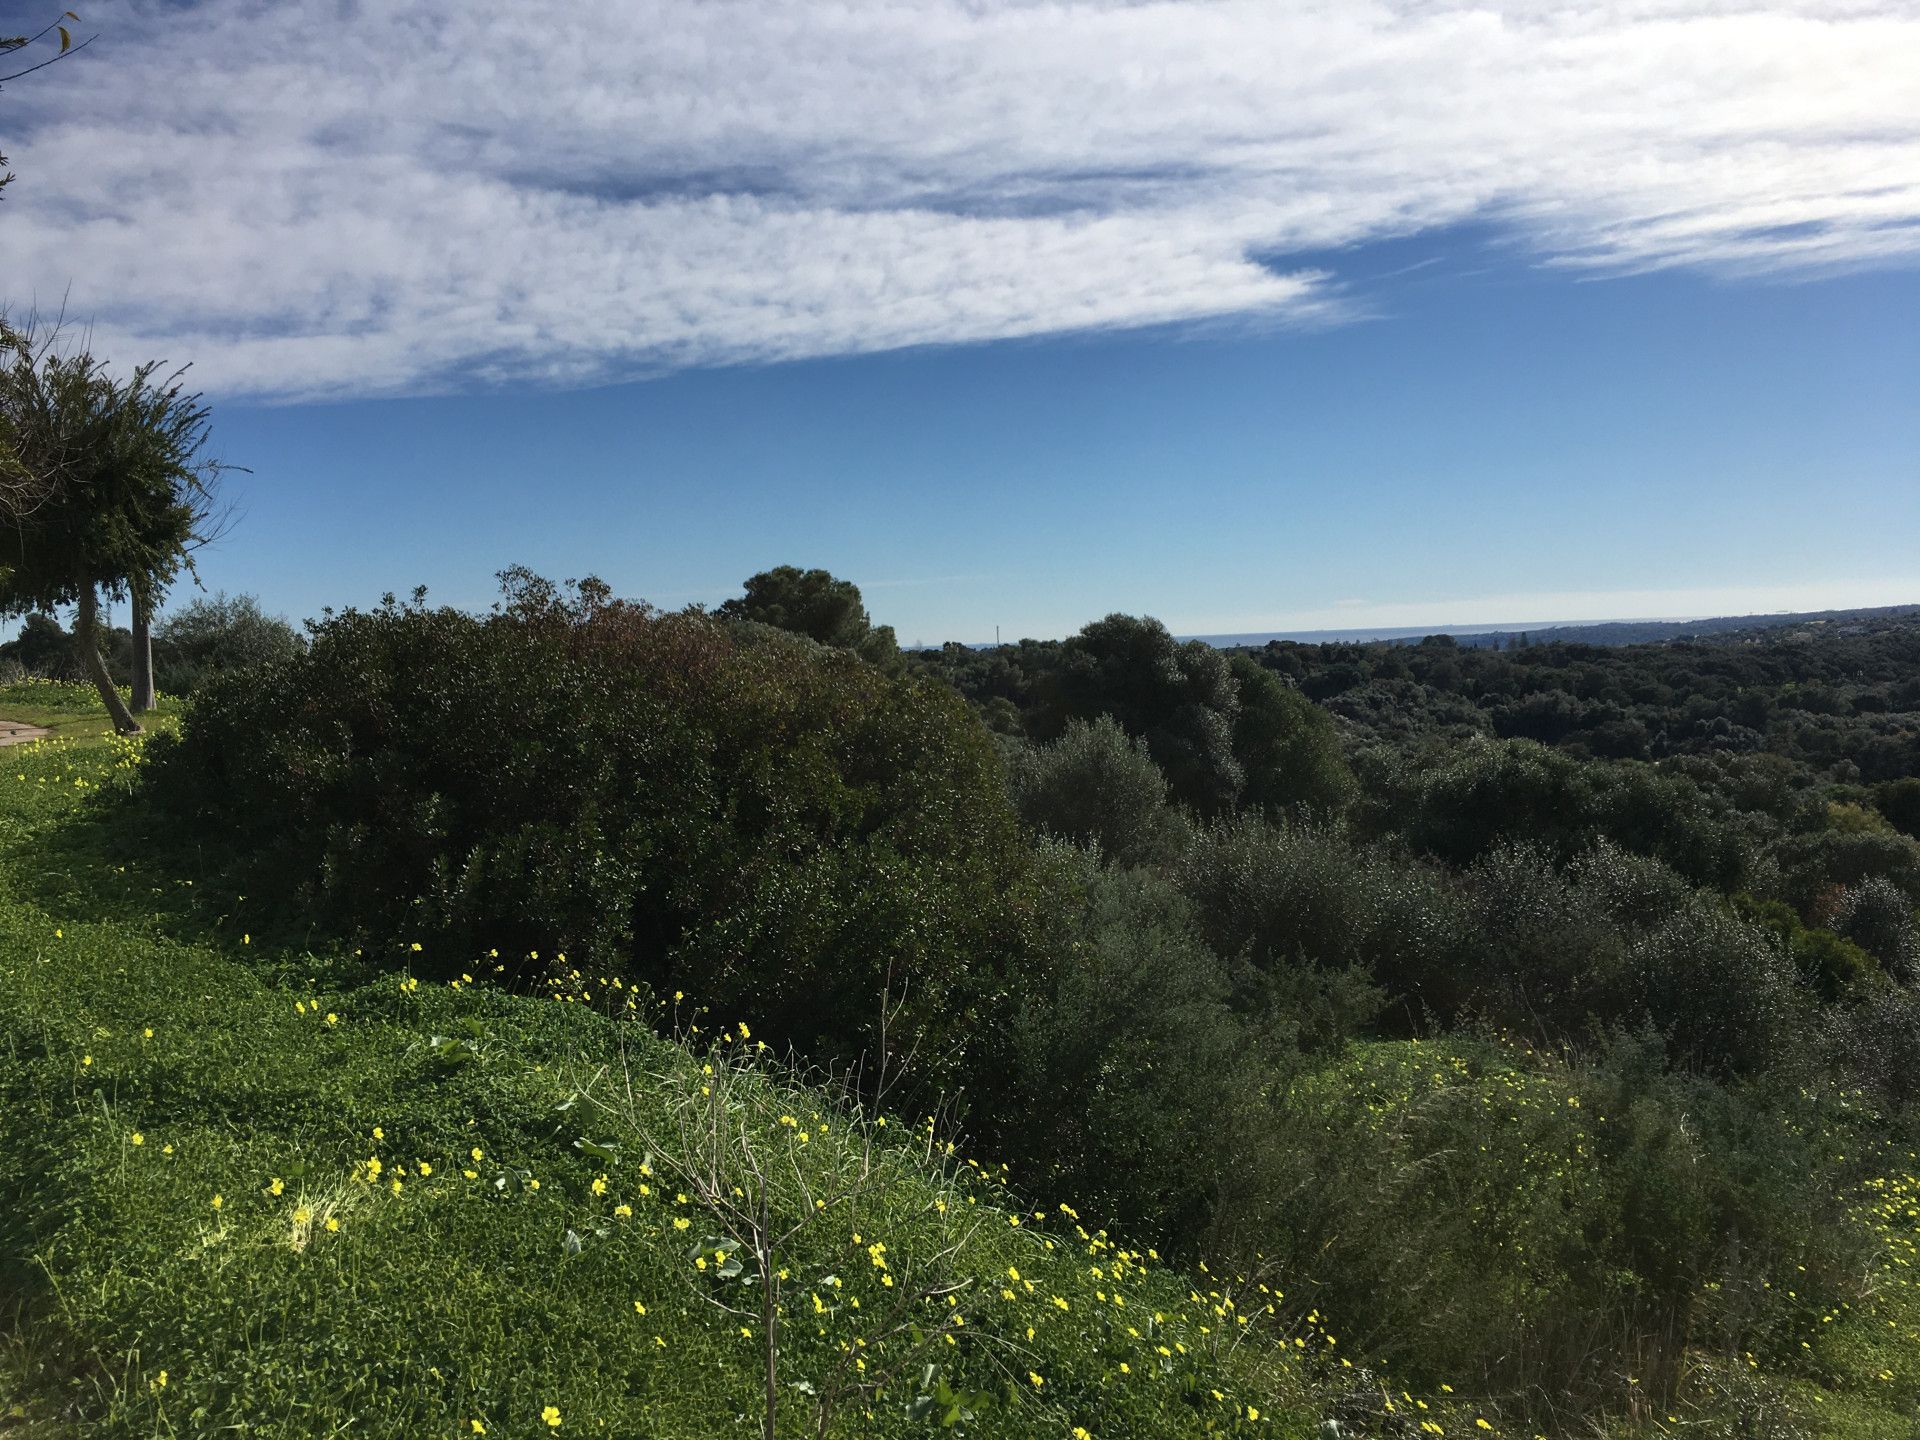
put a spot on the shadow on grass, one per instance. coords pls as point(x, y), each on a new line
point(119, 860)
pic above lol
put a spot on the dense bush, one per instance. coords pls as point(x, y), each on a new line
point(773, 827)
point(1094, 786)
point(1831, 967)
point(1133, 1086)
point(818, 605)
point(216, 633)
point(1877, 916)
point(1286, 745)
point(1876, 1045)
point(1814, 868)
point(1459, 805)
point(1566, 1237)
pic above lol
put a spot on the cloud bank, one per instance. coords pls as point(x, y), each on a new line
point(318, 197)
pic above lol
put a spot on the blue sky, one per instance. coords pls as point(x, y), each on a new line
point(1506, 445)
point(1337, 314)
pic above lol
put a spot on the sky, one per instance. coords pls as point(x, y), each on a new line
point(1251, 317)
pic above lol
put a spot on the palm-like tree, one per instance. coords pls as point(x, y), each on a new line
point(113, 493)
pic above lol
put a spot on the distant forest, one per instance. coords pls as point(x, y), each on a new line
point(1836, 696)
point(1595, 632)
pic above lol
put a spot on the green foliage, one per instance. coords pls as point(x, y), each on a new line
point(1179, 698)
point(43, 648)
point(1094, 786)
point(765, 824)
point(1328, 920)
point(1814, 869)
point(1877, 916)
point(1461, 805)
point(1134, 1085)
point(1571, 1233)
point(215, 633)
point(818, 605)
point(1836, 968)
point(1287, 745)
point(120, 488)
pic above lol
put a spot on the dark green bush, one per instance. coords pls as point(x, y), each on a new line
point(1132, 1086)
point(1286, 745)
point(1878, 917)
point(1815, 867)
point(1833, 968)
point(1545, 1232)
point(1178, 697)
point(1720, 988)
point(1462, 803)
point(1876, 1045)
point(1291, 896)
point(771, 826)
point(1094, 786)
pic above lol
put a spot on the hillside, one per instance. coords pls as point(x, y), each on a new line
point(398, 1042)
point(250, 1184)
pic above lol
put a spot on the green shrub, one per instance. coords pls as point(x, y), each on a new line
point(1718, 989)
point(1834, 968)
point(216, 633)
point(1130, 1087)
point(1178, 697)
point(771, 826)
point(1813, 868)
point(1303, 900)
point(1094, 786)
point(1461, 803)
point(1878, 917)
point(1286, 745)
point(1562, 1235)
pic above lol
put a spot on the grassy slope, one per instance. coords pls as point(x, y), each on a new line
point(129, 1008)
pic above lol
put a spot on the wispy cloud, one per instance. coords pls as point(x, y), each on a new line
point(318, 197)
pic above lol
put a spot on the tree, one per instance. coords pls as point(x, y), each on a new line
point(1287, 744)
point(1094, 785)
point(41, 648)
point(220, 632)
point(1179, 698)
point(816, 604)
point(122, 493)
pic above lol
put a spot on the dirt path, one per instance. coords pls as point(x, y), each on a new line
point(13, 732)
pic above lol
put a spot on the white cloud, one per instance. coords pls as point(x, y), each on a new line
point(311, 196)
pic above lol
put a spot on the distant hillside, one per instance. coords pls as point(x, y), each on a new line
point(1597, 632)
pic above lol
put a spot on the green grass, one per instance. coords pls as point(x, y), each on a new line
point(71, 710)
point(184, 1108)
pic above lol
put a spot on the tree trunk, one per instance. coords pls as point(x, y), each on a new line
point(86, 640)
point(142, 650)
